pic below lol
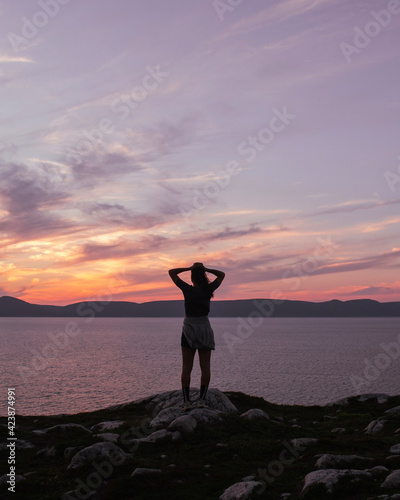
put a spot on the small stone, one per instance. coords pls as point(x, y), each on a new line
point(395, 448)
point(107, 426)
point(338, 430)
point(255, 413)
point(142, 471)
point(248, 478)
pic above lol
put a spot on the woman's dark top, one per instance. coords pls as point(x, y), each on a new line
point(197, 301)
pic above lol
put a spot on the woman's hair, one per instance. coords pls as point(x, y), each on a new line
point(200, 278)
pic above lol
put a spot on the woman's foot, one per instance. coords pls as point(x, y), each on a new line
point(201, 403)
point(188, 405)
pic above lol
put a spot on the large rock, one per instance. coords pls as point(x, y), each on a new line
point(64, 429)
point(206, 417)
point(342, 462)
point(240, 491)
point(98, 452)
point(331, 480)
point(215, 399)
point(392, 481)
point(186, 424)
point(166, 416)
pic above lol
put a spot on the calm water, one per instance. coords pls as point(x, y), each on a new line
point(110, 361)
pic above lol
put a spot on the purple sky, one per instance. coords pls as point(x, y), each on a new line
point(258, 137)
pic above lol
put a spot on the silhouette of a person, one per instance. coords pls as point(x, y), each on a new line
point(196, 331)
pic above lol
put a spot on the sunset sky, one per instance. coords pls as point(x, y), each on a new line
point(261, 138)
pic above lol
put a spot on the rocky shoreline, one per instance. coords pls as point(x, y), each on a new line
point(240, 447)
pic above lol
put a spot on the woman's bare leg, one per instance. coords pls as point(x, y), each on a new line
point(205, 362)
point(187, 365)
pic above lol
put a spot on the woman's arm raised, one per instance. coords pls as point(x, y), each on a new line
point(219, 274)
point(173, 273)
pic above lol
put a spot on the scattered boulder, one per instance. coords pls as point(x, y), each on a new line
point(395, 448)
point(107, 426)
point(48, 452)
point(301, 442)
point(328, 461)
point(166, 416)
point(338, 430)
point(255, 413)
point(4, 478)
point(393, 411)
point(111, 437)
point(67, 429)
point(142, 471)
point(380, 398)
point(186, 424)
point(331, 480)
point(156, 436)
point(392, 481)
point(240, 491)
point(378, 471)
point(375, 426)
point(98, 452)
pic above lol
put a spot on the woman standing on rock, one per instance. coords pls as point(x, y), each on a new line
point(196, 331)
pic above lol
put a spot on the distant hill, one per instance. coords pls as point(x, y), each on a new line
point(12, 307)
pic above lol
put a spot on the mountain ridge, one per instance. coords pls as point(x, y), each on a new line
point(14, 307)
